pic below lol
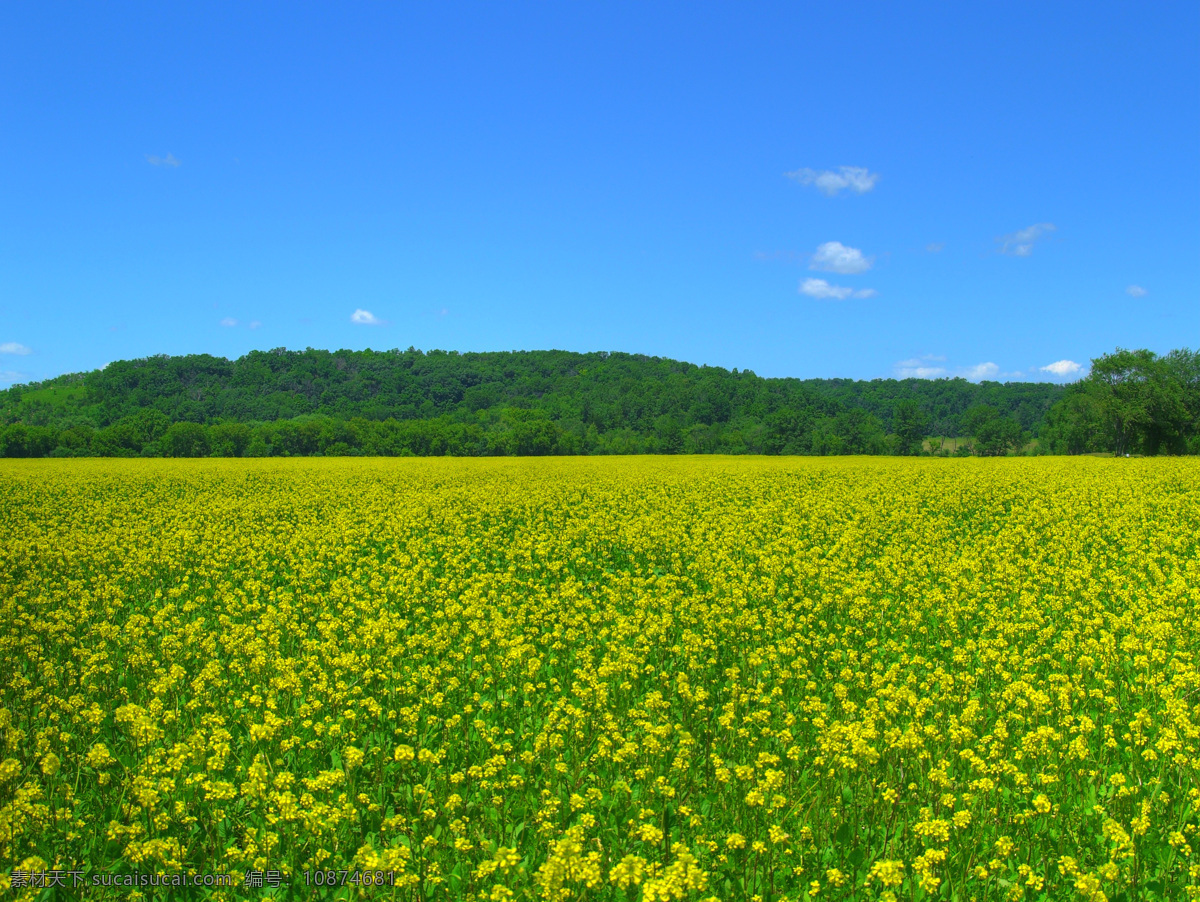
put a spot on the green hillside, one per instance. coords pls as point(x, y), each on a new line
point(284, 402)
point(520, 402)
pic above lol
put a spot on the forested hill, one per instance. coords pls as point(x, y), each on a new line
point(520, 402)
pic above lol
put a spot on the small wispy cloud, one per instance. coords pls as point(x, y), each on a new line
point(935, 247)
point(14, 347)
point(923, 367)
point(822, 290)
point(254, 324)
point(362, 317)
point(833, 256)
point(829, 182)
point(980, 371)
point(1136, 291)
point(1020, 243)
point(12, 376)
point(933, 366)
point(168, 160)
point(229, 322)
point(1062, 368)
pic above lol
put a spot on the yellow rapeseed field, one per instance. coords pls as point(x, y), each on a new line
point(613, 679)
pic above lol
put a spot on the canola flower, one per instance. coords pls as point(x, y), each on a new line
point(615, 679)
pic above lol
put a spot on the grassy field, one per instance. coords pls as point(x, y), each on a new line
point(950, 443)
point(612, 679)
point(953, 444)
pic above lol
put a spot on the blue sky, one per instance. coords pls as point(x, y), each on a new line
point(851, 190)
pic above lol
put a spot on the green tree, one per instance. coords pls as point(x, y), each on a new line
point(1072, 425)
point(670, 435)
point(1122, 396)
point(142, 428)
point(75, 442)
point(1141, 400)
point(185, 440)
point(909, 423)
point(229, 439)
point(19, 440)
point(998, 436)
point(994, 434)
point(1183, 369)
point(789, 431)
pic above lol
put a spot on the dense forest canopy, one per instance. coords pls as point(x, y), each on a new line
point(283, 402)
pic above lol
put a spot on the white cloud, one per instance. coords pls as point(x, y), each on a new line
point(921, 372)
point(833, 256)
point(229, 321)
point(254, 324)
point(168, 160)
point(935, 247)
point(981, 371)
point(1062, 368)
point(1020, 243)
point(822, 290)
point(819, 288)
point(1136, 291)
point(13, 347)
point(930, 366)
point(12, 376)
point(919, 368)
point(855, 178)
point(362, 317)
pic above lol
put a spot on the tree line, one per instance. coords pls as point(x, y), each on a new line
point(317, 402)
point(1132, 402)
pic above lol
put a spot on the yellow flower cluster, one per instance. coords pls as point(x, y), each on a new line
point(614, 679)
